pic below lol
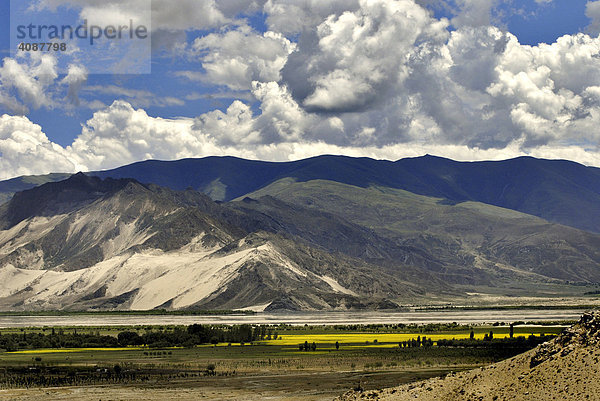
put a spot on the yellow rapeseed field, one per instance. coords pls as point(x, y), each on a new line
point(362, 338)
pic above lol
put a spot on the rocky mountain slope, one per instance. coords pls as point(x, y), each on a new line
point(465, 243)
point(566, 368)
point(117, 244)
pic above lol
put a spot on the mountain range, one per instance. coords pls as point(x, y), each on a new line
point(559, 191)
point(329, 232)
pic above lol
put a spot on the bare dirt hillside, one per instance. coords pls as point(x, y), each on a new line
point(566, 368)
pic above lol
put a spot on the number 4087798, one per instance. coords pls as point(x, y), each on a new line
point(43, 47)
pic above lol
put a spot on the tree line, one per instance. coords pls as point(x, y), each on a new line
point(489, 341)
point(189, 336)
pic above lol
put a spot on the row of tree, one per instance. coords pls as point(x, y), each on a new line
point(491, 342)
point(195, 334)
point(415, 343)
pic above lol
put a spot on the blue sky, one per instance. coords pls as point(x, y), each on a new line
point(548, 22)
point(286, 79)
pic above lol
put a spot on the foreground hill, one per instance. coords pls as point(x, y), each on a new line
point(555, 190)
point(566, 368)
point(117, 244)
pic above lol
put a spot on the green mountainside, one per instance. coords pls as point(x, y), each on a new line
point(466, 242)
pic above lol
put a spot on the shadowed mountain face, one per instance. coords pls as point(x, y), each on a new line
point(55, 198)
point(117, 244)
point(9, 187)
point(558, 191)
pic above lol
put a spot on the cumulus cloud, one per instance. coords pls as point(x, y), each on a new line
point(474, 13)
point(121, 134)
point(235, 126)
point(280, 120)
point(188, 14)
point(239, 56)
point(165, 17)
point(592, 11)
point(547, 88)
point(351, 59)
point(113, 136)
point(167, 22)
point(295, 16)
point(476, 86)
point(31, 82)
point(233, 8)
point(28, 81)
point(25, 150)
point(75, 79)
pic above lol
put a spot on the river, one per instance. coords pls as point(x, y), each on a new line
point(301, 318)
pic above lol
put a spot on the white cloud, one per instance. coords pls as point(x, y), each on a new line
point(385, 72)
point(281, 120)
point(239, 56)
point(474, 13)
point(592, 11)
point(479, 88)
point(25, 150)
point(75, 79)
point(235, 126)
point(215, 96)
point(31, 82)
point(188, 14)
point(168, 22)
point(546, 87)
point(185, 15)
point(474, 54)
point(295, 16)
point(121, 134)
point(354, 58)
point(28, 81)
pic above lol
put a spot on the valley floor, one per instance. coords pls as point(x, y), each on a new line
point(369, 357)
point(290, 386)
